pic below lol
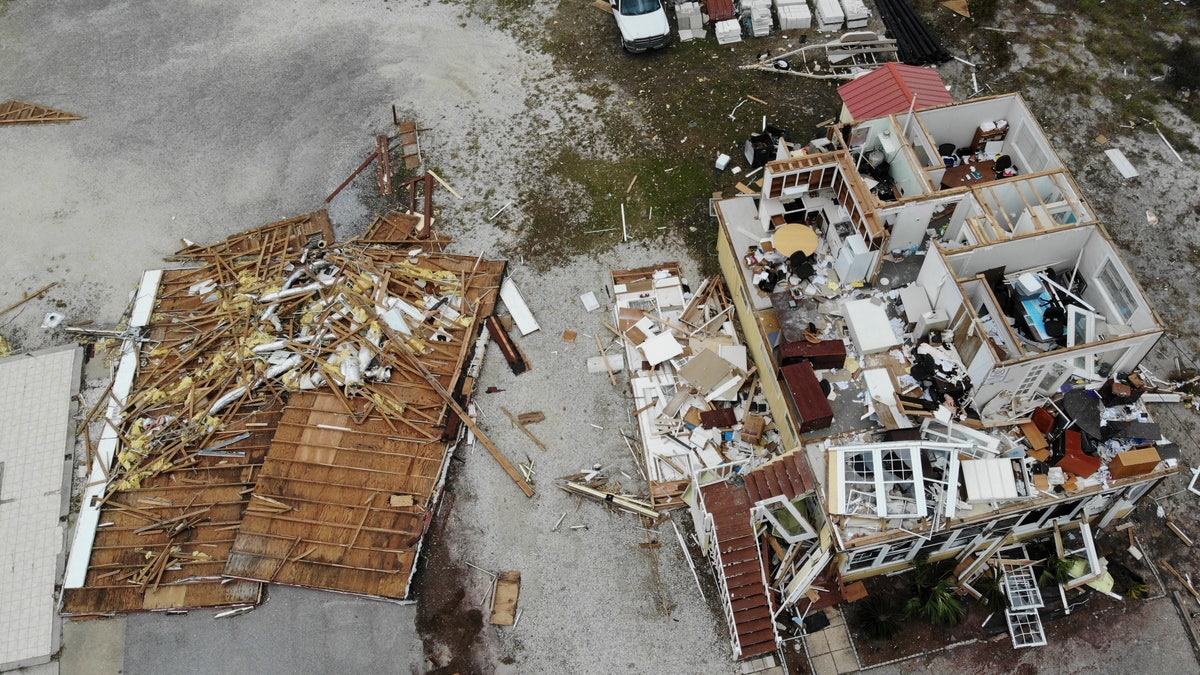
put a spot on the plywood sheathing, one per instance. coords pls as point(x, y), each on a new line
point(339, 474)
point(340, 532)
point(20, 112)
point(189, 466)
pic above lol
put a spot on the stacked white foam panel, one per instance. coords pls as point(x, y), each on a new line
point(761, 20)
point(690, 20)
point(828, 14)
point(856, 13)
point(728, 31)
point(793, 14)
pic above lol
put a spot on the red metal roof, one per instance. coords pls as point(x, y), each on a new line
point(890, 89)
point(719, 10)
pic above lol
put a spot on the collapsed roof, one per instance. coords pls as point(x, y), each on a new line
point(288, 420)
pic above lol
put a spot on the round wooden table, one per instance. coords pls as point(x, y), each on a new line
point(795, 237)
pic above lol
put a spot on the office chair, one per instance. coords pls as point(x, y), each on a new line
point(948, 155)
point(1003, 164)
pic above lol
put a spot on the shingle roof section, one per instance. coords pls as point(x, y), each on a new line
point(890, 89)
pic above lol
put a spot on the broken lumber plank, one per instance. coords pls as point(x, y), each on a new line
point(1183, 580)
point(521, 425)
point(28, 297)
point(20, 112)
point(607, 366)
point(1178, 532)
point(444, 184)
point(361, 167)
point(512, 354)
point(504, 600)
point(532, 417)
point(385, 164)
point(626, 503)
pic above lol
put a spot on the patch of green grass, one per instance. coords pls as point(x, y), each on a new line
point(578, 208)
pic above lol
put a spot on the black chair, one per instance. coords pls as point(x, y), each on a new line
point(1003, 163)
point(948, 154)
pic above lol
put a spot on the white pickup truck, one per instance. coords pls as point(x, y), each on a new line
point(643, 24)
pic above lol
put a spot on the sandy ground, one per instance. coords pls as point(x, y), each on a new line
point(204, 119)
point(590, 595)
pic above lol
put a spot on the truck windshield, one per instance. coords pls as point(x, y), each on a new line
point(636, 7)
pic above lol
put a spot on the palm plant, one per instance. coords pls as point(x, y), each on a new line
point(991, 593)
point(878, 617)
point(941, 606)
point(1058, 570)
point(1137, 590)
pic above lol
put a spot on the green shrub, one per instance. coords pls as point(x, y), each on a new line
point(992, 594)
point(1184, 61)
point(1058, 570)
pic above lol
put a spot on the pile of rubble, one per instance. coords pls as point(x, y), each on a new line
point(290, 420)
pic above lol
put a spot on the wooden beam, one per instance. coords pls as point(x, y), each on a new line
point(462, 414)
point(353, 175)
point(604, 355)
point(357, 530)
point(28, 297)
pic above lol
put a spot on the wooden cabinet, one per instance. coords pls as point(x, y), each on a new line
point(822, 355)
point(811, 404)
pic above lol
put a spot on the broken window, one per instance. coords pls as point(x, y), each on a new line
point(895, 480)
point(978, 444)
point(881, 483)
point(861, 559)
point(961, 538)
point(1025, 626)
point(1074, 542)
point(1117, 290)
point(789, 518)
point(1081, 330)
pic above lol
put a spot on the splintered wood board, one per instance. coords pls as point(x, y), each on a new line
point(504, 601)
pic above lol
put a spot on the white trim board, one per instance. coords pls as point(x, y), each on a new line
point(515, 302)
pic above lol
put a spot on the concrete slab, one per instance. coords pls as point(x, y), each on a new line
point(36, 442)
point(296, 631)
point(40, 669)
point(93, 647)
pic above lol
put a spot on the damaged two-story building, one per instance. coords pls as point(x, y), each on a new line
point(947, 342)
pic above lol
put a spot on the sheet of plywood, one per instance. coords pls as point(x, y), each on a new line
point(504, 601)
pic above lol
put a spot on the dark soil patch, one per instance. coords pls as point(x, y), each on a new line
point(448, 623)
point(916, 636)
